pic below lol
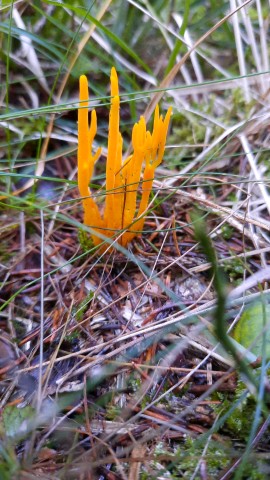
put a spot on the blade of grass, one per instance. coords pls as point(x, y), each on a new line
point(219, 314)
point(178, 42)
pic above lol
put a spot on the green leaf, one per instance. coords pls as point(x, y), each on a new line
point(253, 329)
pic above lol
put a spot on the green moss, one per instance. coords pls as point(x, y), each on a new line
point(5, 254)
point(113, 412)
point(217, 456)
point(241, 408)
point(184, 460)
point(134, 382)
point(82, 307)
point(187, 129)
point(17, 421)
point(239, 104)
point(227, 231)
point(70, 337)
point(85, 240)
point(234, 269)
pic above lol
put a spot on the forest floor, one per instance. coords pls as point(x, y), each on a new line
point(117, 364)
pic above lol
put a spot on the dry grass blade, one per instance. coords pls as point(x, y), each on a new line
point(166, 82)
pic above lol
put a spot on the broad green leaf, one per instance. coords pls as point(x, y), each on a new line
point(253, 329)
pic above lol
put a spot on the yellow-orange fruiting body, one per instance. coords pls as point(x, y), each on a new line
point(86, 160)
point(121, 218)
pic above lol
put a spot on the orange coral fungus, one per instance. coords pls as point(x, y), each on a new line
point(121, 218)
